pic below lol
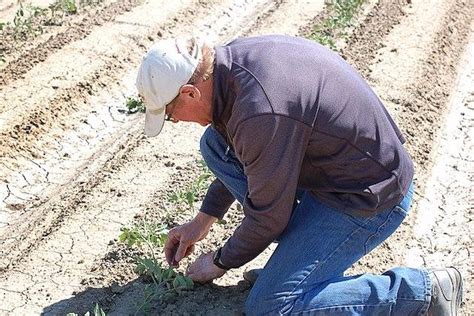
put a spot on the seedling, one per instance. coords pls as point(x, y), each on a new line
point(342, 12)
point(166, 282)
point(29, 20)
point(197, 188)
point(90, 2)
point(60, 8)
point(97, 312)
point(153, 235)
point(133, 106)
point(23, 22)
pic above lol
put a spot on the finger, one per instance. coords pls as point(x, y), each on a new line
point(170, 250)
point(189, 251)
point(193, 267)
point(171, 247)
point(181, 252)
point(194, 275)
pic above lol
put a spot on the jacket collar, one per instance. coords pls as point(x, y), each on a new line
point(223, 89)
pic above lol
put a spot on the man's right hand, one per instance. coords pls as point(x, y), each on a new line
point(181, 239)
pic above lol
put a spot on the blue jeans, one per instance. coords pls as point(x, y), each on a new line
point(305, 274)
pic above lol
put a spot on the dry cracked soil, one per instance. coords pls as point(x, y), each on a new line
point(75, 168)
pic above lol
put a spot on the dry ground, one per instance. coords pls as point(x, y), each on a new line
point(75, 169)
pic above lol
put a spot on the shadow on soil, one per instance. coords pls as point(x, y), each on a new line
point(208, 299)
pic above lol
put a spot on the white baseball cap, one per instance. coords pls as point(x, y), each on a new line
point(166, 67)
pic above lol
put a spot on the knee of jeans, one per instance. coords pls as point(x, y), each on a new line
point(256, 304)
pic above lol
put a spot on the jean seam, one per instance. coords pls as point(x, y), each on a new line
point(428, 296)
point(387, 221)
point(319, 265)
point(338, 306)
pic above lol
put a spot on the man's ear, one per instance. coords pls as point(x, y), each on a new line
point(190, 91)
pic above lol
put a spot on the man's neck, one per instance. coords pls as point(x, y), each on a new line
point(206, 88)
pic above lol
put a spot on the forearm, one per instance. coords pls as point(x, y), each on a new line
point(217, 201)
point(205, 220)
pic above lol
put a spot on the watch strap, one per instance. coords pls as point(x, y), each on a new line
point(217, 259)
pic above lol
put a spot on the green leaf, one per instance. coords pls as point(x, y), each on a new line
point(98, 311)
point(182, 282)
point(190, 197)
point(150, 267)
point(169, 274)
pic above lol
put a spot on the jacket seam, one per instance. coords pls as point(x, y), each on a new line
point(259, 83)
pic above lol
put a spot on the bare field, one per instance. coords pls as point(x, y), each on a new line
point(75, 168)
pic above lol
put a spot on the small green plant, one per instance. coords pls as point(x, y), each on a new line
point(342, 12)
point(90, 2)
point(29, 20)
point(24, 21)
point(60, 8)
point(197, 188)
point(153, 235)
point(165, 282)
point(97, 312)
point(134, 105)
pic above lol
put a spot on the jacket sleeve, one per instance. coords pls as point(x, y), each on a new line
point(271, 148)
point(218, 199)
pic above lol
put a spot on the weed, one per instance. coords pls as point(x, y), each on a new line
point(342, 12)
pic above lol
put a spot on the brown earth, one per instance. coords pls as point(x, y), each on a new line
point(75, 169)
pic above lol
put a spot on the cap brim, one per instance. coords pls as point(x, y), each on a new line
point(154, 122)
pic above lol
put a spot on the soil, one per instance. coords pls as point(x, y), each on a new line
point(75, 168)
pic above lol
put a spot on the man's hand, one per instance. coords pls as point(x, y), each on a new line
point(181, 239)
point(204, 270)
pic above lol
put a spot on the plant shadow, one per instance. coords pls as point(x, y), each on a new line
point(126, 299)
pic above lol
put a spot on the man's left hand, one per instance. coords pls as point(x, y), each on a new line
point(204, 270)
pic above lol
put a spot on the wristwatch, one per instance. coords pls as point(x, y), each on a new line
point(217, 259)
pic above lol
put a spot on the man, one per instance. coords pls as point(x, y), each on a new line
point(308, 149)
